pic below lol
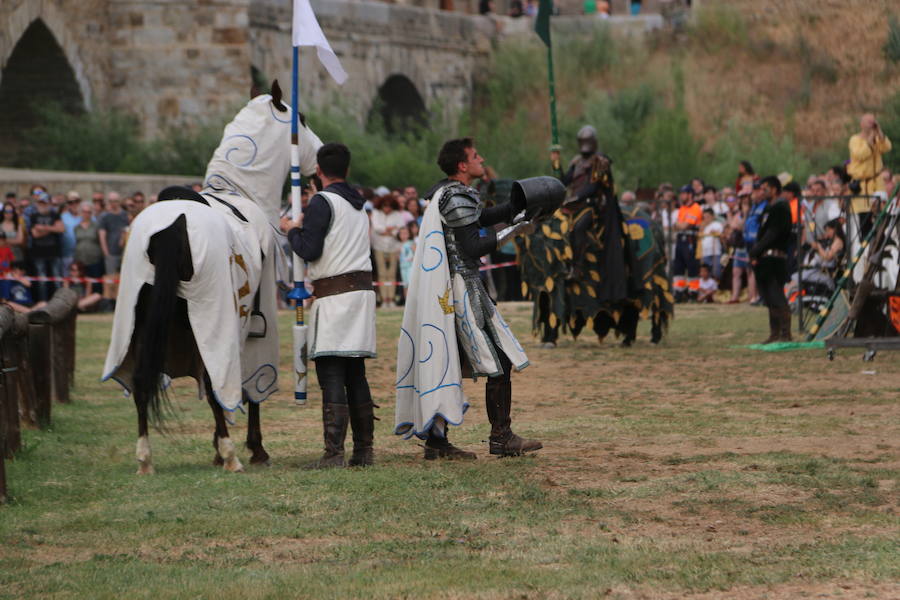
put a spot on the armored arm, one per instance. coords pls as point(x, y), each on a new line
point(462, 211)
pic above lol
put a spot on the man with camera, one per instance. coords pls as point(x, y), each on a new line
point(866, 149)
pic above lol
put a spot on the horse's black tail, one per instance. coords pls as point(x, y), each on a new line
point(170, 254)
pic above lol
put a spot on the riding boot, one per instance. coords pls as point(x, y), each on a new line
point(334, 419)
point(503, 442)
point(774, 326)
point(785, 325)
point(362, 422)
point(437, 446)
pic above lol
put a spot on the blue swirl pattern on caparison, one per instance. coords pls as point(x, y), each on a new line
point(241, 146)
point(440, 259)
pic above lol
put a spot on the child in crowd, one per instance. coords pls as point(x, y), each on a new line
point(708, 285)
point(16, 290)
point(87, 300)
point(6, 256)
point(710, 243)
point(407, 252)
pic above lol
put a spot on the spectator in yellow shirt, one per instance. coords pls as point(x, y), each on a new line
point(866, 148)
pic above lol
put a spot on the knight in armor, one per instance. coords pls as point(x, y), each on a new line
point(484, 342)
point(333, 237)
point(587, 181)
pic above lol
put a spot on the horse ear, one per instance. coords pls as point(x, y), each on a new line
point(276, 96)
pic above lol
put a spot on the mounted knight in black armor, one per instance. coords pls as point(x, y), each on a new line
point(582, 269)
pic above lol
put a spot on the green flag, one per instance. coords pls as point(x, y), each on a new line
point(542, 22)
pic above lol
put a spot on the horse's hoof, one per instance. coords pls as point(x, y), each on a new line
point(234, 466)
point(218, 461)
point(260, 458)
point(146, 470)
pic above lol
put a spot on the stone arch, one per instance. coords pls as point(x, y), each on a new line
point(57, 23)
point(35, 72)
point(399, 103)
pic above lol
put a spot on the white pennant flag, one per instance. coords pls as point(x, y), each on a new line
point(307, 32)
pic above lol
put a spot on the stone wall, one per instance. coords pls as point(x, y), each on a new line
point(438, 51)
point(169, 62)
point(60, 182)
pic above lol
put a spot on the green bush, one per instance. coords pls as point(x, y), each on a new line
point(889, 118)
point(892, 45)
point(715, 27)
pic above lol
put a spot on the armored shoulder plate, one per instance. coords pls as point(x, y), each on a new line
point(460, 205)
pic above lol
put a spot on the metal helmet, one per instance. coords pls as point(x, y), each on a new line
point(587, 140)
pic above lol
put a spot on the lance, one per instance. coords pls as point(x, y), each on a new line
point(542, 28)
point(305, 31)
point(299, 293)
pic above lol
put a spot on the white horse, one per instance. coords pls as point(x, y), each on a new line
point(198, 281)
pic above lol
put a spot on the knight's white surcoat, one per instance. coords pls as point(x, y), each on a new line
point(343, 324)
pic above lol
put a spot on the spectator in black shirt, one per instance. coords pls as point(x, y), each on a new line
point(46, 246)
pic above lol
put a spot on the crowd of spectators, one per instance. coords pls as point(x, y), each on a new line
point(718, 226)
point(67, 239)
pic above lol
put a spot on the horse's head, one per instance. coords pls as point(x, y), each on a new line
point(253, 157)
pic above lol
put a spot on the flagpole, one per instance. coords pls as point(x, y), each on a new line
point(554, 130)
point(542, 29)
point(299, 293)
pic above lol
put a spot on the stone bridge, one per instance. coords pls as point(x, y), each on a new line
point(177, 62)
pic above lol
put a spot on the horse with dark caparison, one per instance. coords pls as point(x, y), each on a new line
point(199, 277)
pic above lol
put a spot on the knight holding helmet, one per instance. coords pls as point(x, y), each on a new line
point(451, 326)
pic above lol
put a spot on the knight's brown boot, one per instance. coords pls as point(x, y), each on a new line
point(440, 447)
point(774, 327)
point(334, 419)
point(785, 326)
point(503, 442)
point(362, 422)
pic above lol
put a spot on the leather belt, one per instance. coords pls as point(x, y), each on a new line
point(343, 283)
point(775, 252)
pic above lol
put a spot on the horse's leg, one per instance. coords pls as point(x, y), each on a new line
point(142, 452)
point(254, 436)
point(225, 451)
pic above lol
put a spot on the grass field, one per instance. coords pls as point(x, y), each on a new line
point(696, 468)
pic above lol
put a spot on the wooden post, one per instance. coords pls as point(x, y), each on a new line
point(2, 480)
point(24, 378)
point(41, 365)
point(55, 318)
point(9, 402)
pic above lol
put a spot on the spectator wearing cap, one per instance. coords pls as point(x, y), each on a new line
point(70, 218)
point(46, 246)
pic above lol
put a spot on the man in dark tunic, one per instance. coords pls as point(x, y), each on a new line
point(769, 258)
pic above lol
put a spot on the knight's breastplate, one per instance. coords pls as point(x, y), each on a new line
point(580, 178)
